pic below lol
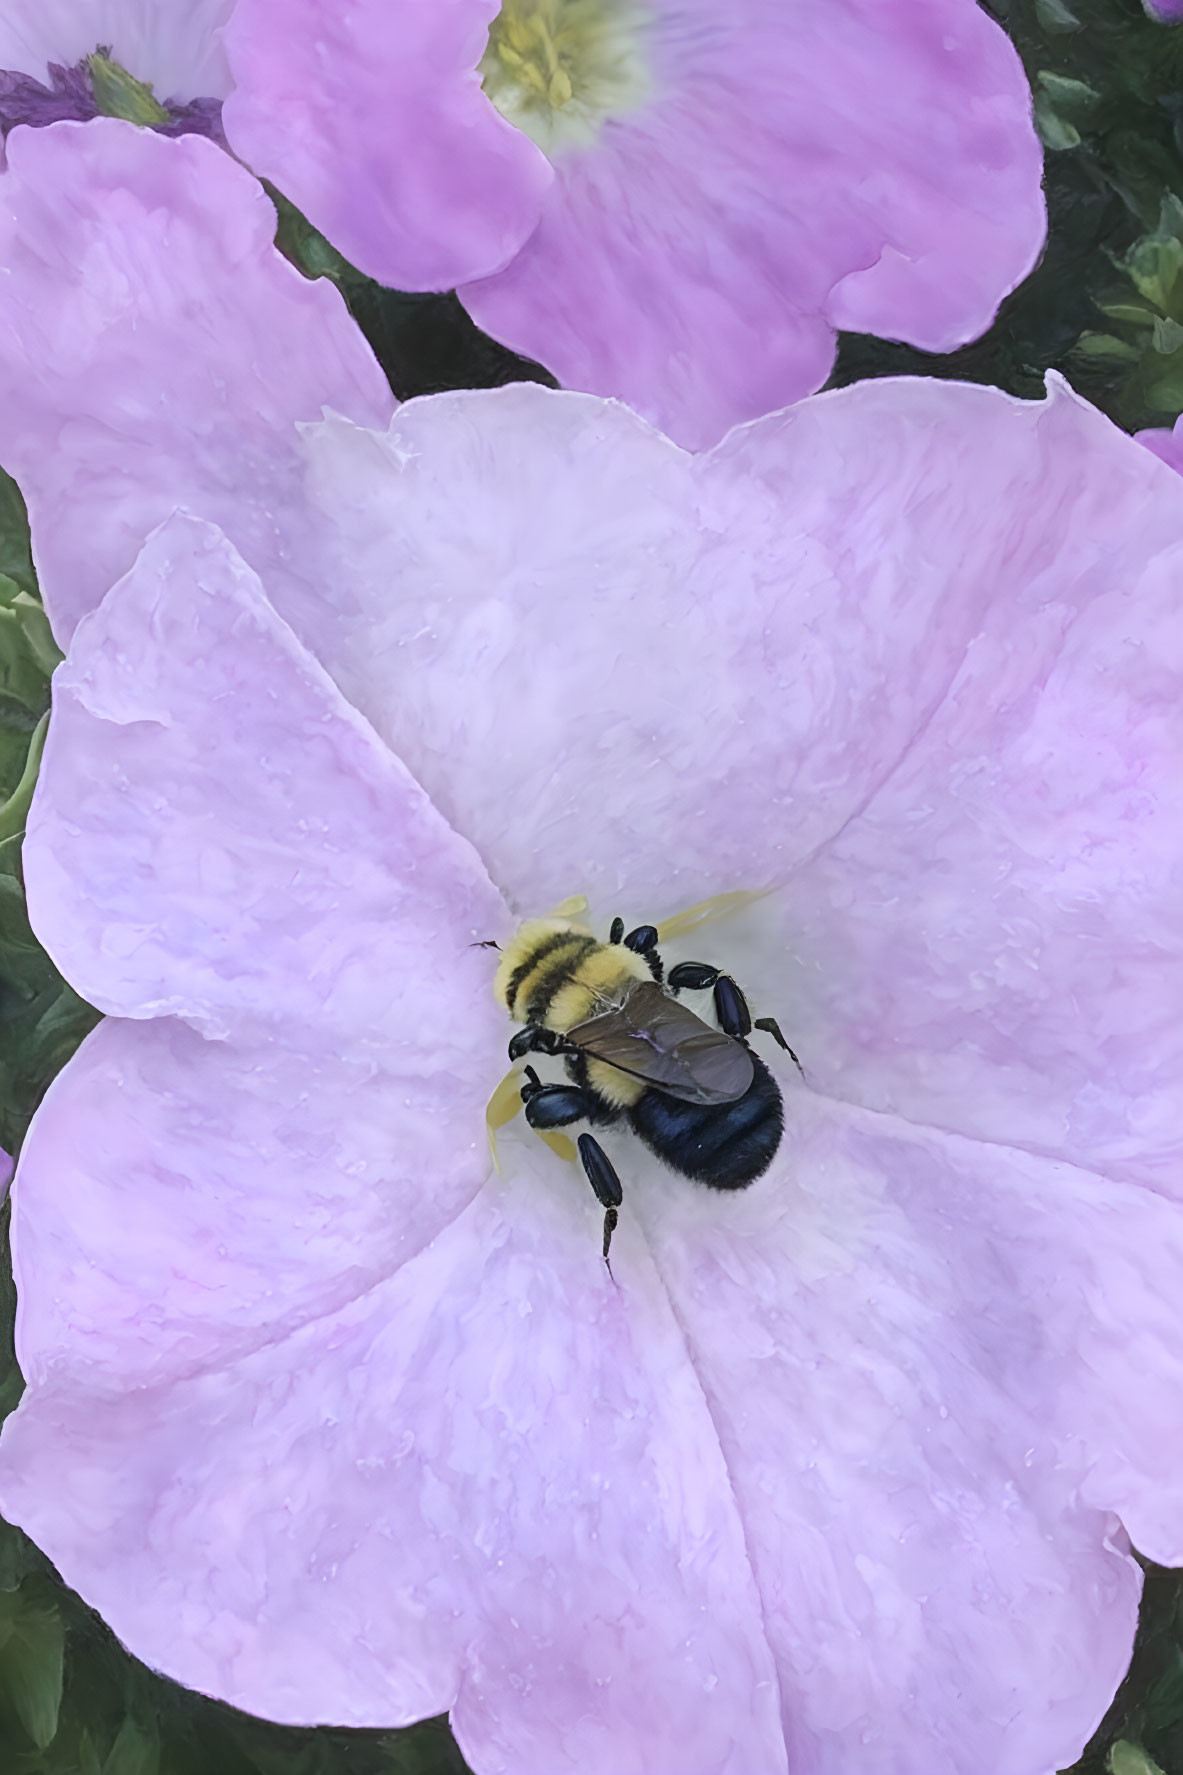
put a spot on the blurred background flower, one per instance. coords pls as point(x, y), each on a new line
point(156, 343)
point(704, 194)
point(159, 65)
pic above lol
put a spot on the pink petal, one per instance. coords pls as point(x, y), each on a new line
point(155, 350)
point(868, 166)
point(647, 713)
point(911, 648)
point(174, 47)
point(937, 1368)
point(696, 341)
point(993, 943)
point(490, 1482)
point(372, 120)
point(196, 1200)
point(748, 642)
point(217, 835)
point(1166, 444)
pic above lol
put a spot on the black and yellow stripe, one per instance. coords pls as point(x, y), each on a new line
point(557, 974)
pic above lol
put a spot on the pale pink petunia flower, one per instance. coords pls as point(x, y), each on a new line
point(1166, 443)
point(331, 1421)
point(202, 368)
point(690, 198)
point(172, 47)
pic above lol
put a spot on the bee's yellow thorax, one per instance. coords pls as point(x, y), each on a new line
point(600, 978)
point(555, 972)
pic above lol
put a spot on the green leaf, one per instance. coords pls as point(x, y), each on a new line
point(134, 1752)
point(1167, 336)
point(1129, 1759)
point(28, 657)
point(1105, 345)
point(305, 245)
point(1066, 93)
point(18, 1557)
point(31, 1664)
point(87, 1758)
point(1055, 132)
point(14, 812)
point(1055, 17)
point(42, 1020)
point(16, 558)
point(1129, 312)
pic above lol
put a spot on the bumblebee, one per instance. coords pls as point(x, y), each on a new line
point(698, 1097)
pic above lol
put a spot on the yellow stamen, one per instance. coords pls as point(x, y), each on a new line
point(575, 907)
point(558, 1143)
point(503, 1106)
point(558, 69)
point(706, 911)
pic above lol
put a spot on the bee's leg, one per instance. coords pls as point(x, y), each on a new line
point(601, 1174)
point(556, 1106)
point(643, 942)
point(534, 1039)
point(692, 976)
point(731, 1007)
point(773, 1028)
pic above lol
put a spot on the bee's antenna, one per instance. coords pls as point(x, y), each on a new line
point(487, 944)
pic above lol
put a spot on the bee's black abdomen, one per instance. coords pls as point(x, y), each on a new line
point(724, 1145)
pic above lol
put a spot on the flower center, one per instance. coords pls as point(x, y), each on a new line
point(99, 86)
point(560, 69)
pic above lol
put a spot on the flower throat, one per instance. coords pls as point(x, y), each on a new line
point(559, 69)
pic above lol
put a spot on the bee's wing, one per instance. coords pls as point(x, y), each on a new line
point(655, 1038)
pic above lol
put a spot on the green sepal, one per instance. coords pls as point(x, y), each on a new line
point(119, 94)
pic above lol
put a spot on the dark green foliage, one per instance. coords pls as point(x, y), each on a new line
point(41, 1019)
point(1108, 85)
point(423, 343)
point(1147, 1713)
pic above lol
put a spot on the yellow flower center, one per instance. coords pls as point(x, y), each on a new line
point(559, 69)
